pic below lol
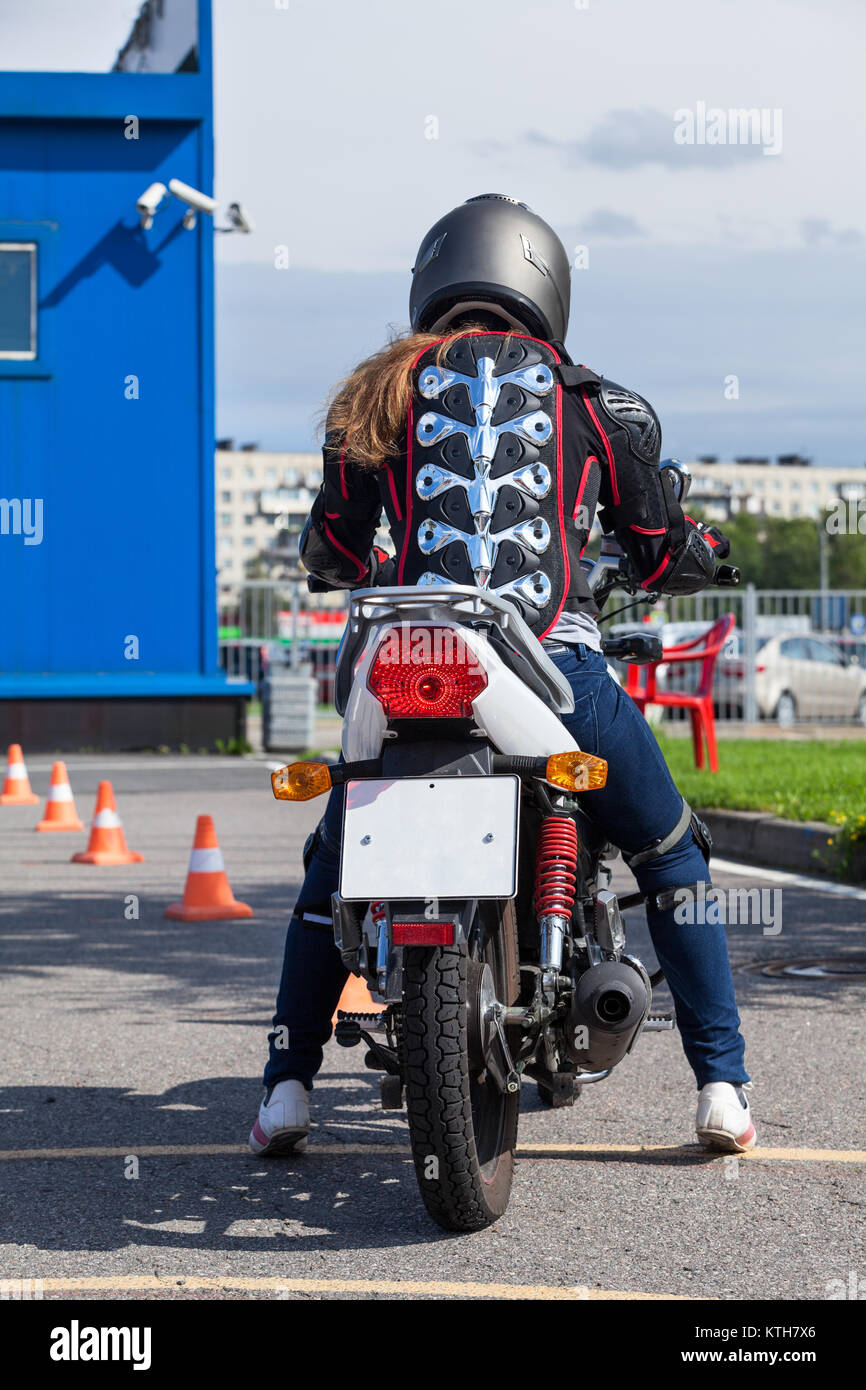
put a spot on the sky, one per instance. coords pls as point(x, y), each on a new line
point(347, 129)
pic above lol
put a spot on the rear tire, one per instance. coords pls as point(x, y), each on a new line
point(463, 1130)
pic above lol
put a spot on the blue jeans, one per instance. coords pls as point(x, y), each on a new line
point(639, 804)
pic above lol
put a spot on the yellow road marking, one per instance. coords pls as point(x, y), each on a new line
point(691, 1150)
point(144, 1283)
point(174, 1150)
point(529, 1151)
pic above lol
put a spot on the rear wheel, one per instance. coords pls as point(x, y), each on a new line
point(463, 1127)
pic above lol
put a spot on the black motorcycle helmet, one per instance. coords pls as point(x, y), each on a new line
point(492, 253)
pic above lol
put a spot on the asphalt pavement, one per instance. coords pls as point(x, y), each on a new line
point(132, 1048)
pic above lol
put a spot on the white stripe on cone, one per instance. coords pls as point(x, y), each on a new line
point(16, 772)
point(62, 792)
point(206, 861)
point(107, 819)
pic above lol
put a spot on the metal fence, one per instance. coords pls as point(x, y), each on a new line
point(793, 655)
point(263, 625)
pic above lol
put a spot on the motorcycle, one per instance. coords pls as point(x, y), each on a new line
point(473, 895)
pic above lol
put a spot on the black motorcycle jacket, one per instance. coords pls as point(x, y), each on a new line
point(509, 450)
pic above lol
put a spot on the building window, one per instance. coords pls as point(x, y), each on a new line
point(248, 542)
point(226, 475)
point(18, 300)
point(248, 520)
point(225, 518)
point(248, 497)
point(225, 497)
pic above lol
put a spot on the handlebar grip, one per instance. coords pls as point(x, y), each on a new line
point(726, 576)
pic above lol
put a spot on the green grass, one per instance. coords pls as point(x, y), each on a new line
point(823, 780)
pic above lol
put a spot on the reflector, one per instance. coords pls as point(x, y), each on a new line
point(301, 781)
point(576, 772)
point(423, 933)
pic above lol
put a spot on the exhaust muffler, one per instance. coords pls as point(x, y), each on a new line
point(610, 1002)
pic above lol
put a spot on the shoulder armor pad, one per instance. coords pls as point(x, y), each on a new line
point(630, 410)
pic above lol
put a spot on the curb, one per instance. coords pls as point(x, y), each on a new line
point(800, 846)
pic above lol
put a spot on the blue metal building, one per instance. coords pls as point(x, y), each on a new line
point(107, 568)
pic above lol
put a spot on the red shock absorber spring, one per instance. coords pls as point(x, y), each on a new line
point(555, 866)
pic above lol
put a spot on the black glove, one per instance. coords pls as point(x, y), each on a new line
point(692, 570)
point(717, 539)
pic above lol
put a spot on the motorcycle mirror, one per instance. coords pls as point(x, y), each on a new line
point(679, 475)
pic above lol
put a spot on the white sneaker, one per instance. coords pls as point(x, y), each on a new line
point(724, 1120)
point(284, 1120)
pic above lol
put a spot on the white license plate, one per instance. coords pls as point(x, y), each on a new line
point(430, 837)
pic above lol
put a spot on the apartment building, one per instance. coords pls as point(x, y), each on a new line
point(259, 498)
point(787, 490)
point(262, 502)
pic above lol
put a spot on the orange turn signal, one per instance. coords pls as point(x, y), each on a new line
point(301, 781)
point(576, 772)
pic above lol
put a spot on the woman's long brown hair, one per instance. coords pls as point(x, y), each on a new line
point(367, 410)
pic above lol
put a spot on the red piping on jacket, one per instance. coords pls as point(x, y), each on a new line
point(409, 444)
point(582, 485)
point(655, 574)
point(649, 530)
point(607, 449)
point(343, 487)
point(362, 569)
point(393, 488)
point(567, 583)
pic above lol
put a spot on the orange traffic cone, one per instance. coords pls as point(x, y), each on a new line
point(107, 844)
point(16, 788)
point(60, 813)
point(207, 896)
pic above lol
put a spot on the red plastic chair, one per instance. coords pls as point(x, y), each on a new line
point(641, 686)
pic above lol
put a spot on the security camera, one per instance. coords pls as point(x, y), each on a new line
point(198, 202)
point(149, 202)
point(240, 218)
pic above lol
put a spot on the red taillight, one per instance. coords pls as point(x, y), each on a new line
point(760, 669)
point(426, 673)
point(423, 933)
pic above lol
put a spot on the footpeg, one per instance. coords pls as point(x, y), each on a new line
point(659, 1023)
point(350, 1028)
